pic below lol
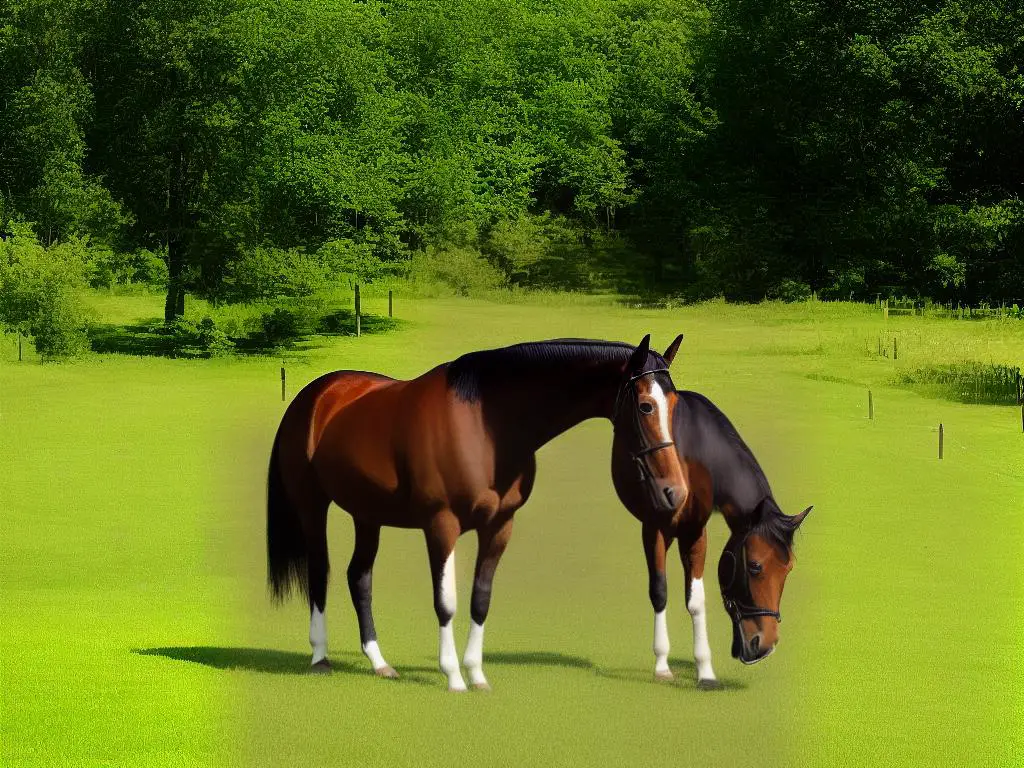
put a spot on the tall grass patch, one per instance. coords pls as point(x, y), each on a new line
point(966, 382)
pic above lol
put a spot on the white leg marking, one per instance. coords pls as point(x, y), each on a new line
point(449, 599)
point(449, 658)
point(701, 647)
point(659, 397)
point(318, 634)
point(372, 651)
point(661, 646)
point(474, 656)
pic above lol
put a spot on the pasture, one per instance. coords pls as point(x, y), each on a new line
point(136, 630)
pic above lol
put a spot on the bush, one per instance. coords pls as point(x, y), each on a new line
point(279, 326)
point(40, 291)
point(268, 273)
point(790, 291)
point(462, 270)
point(203, 338)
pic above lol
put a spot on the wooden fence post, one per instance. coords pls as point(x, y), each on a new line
point(359, 319)
point(19, 346)
point(282, 384)
point(871, 407)
point(391, 312)
point(940, 440)
point(894, 353)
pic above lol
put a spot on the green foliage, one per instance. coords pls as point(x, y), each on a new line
point(790, 291)
point(727, 148)
point(268, 273)
point(40, 292)
point(199, 339)
point(459, 270)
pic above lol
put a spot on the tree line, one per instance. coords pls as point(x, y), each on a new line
point(745, 148)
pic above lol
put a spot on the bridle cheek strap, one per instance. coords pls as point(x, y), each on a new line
point(639, 457)
point(744, 607)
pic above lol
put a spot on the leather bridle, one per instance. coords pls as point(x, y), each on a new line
point(628, 391)
point(732, 569)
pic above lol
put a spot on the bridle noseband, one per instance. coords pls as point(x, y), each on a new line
point(639, 457)
point(741, 606)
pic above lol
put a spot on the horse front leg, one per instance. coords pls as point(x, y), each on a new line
point(442, 533)
point(693, 555)
point(492, 543)
point(656, 546)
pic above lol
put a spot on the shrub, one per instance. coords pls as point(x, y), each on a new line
point(462, 270)
point(40, 291)
point(790, 291)
point(279, 326)
point(202, 338)
point(267, 273)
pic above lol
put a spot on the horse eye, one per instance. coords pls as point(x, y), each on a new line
point(646, 408)
point(754, 568)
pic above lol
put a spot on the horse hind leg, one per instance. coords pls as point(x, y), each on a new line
point(360, 586)
point(318, 568)
point(442, 533)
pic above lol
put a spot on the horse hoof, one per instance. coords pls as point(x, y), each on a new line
point(322, 667)
point(457, 688)
point(709, 684)
point(386, 671)
point(481, 687)
point(664, 676)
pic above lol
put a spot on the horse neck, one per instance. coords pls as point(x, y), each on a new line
point(531, 411)
point(739, 482)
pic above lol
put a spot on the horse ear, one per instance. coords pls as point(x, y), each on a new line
point(795, 520)
point(670, 353)
point(639, 357)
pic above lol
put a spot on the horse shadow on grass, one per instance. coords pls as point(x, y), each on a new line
point(274, 662)
point(270, 661)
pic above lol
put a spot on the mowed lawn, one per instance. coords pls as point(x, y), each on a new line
point(135, 627)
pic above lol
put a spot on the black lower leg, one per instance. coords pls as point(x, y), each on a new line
point(360, 579)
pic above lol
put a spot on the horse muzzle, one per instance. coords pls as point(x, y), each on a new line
point(749, 651)
point(665, 496)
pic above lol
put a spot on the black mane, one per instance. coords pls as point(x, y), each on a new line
point(468, 374)
point(776, 526)
point(736, 473)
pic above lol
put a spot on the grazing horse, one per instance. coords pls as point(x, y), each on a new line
point(721, 473)
point(448, 452)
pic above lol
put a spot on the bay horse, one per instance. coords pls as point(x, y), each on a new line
point(720, 472)
point(448, 452)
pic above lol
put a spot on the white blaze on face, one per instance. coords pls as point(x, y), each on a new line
point(318, 634)
point(661, 405)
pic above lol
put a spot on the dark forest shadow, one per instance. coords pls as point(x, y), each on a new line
point(286, 331)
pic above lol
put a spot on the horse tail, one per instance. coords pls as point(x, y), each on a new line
point(287, 556)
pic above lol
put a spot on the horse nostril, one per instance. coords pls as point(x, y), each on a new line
point(670, 495)
point(755, 643)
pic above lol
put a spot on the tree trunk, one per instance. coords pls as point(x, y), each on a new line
point(174, 305)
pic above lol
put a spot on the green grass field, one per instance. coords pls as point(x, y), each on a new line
point(135, 627)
